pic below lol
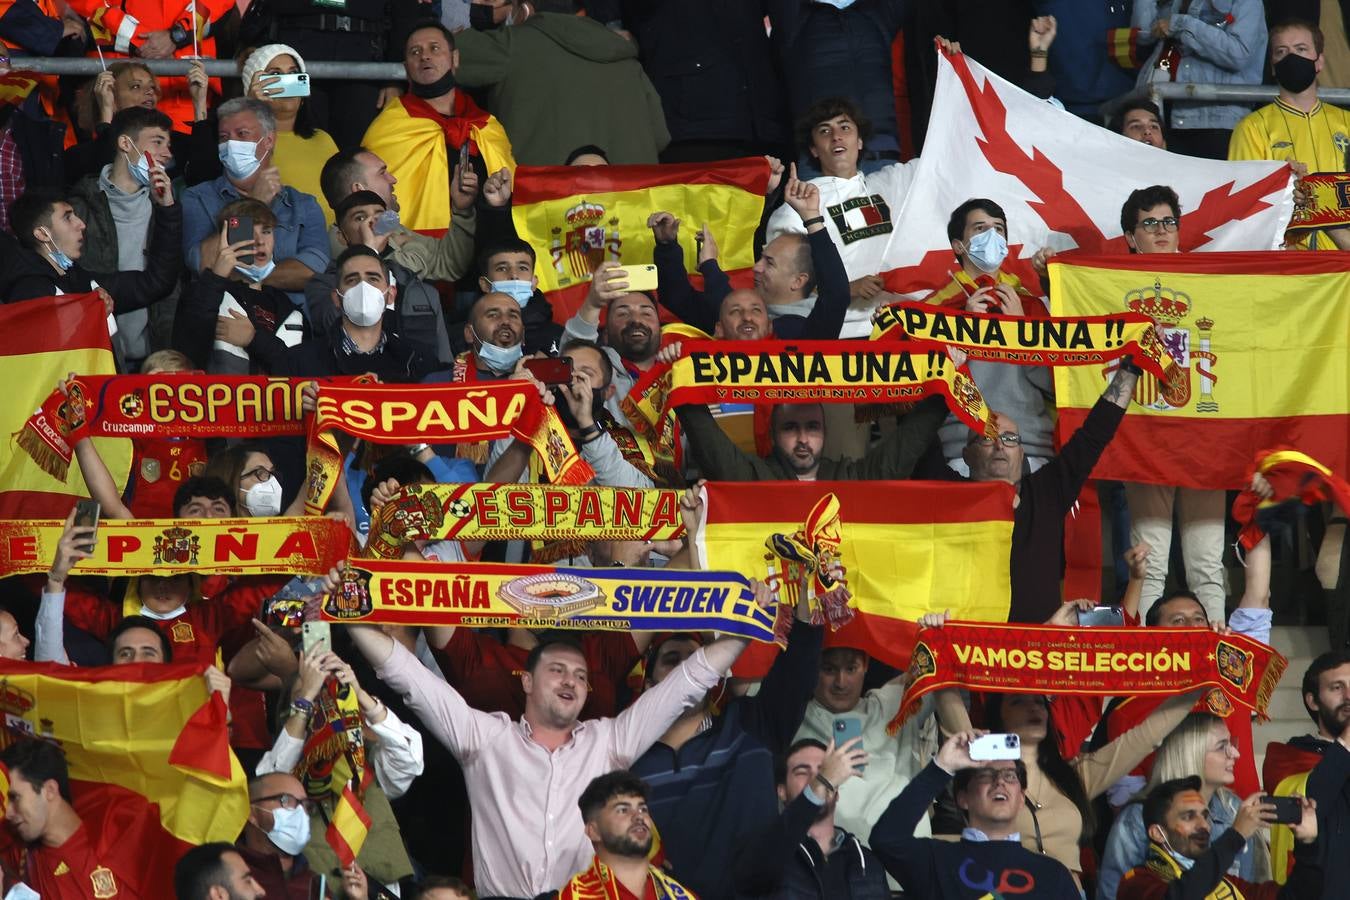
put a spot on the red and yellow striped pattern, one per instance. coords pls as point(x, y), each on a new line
point(46, 339)
point(1263, 343)
point(580, 216)
point(907, 548)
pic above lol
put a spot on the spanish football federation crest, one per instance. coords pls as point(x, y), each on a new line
point(351, 598)
point(177, 546)
point(1189, 343)
point(584, 243)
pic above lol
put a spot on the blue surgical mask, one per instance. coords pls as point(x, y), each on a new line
point(256, 273)
point(501, 360)
point(59, 257)
point(988, 250)
point(520, 291)
point(240, 158)
point(839, 4)
point(1182, 861)
point(140, 169)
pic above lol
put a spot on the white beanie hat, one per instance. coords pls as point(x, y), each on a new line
point(262, 57)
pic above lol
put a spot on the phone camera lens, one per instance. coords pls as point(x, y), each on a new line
point(1010, 741)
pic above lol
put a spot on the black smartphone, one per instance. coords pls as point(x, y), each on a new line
point(463, 155)
point(1288, 810)
point(86, 516)
point(240, 228)
point(552, 369)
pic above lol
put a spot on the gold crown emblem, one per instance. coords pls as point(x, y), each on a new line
point(1163, 305)
point(1205, 323)
point(176, 533)
point(15, 701)
point(585, 213)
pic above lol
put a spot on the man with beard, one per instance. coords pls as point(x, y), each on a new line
point(989, 857)
point(417, 133)
point(614, 808)
point(798, 436)
point(804, 854)
point(213, 872)
point(1317, 765)
point(800, 282)
point(1183, 863)
point(532, 843)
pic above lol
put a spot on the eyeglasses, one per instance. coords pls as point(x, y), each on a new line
point(1153, 226)
point(262, 473)
point(1007, 438)
point(289, 801)
point(996, 776)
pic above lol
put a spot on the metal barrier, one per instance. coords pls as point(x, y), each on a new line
point(216, 68)
point(1251, 94)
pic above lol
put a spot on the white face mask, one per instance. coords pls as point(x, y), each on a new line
point(240, 158)
point(363, 303)
point(162, 617)
point(264, 498)
point(290, 830)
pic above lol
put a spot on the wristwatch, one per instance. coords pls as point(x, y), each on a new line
point(179, 35)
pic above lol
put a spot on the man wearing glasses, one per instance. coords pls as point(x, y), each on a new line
point(1045, 496)
point(989, 860)
point(1150, 220)
point(276, 833)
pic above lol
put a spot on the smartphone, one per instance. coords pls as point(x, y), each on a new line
point(293, 84)
point(996, 746)
point(86, 516)
point(1102, 617)
point(1288, 810)
point(150, 164)
point(237, 229)
point(846, 730)
point(386, 222)
point(640, 278)
point(463, 155)
point(316, 635)
point(552, 369)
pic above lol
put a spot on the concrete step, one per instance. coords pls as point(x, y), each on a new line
point(1303, 642)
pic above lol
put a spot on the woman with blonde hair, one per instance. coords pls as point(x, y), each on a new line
point(1200, 745)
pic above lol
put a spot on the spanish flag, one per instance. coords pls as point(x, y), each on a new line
point(45, 340)
point(412, 139)
point(146, 736)
point(350, 824)
point(586, 215)
point(905, 547)
point(1262, 344)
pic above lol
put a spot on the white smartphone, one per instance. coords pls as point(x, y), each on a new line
point(996, 746)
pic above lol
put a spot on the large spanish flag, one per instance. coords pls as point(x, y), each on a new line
point(580, 216)
point(151, 729)
point(906, 548)
point(1262, 342)
point(45, 340)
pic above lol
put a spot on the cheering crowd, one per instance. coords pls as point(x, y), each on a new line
point(281, 225)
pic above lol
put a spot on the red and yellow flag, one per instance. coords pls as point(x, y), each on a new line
point(151, 729)
point(350, 825)
point(586, 215)
point(904, 548)
point(1262, 344)
point(45, 340)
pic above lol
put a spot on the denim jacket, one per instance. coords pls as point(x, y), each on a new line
point(1127, 845)
point(1222, 42)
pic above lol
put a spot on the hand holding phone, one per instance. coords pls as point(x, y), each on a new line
point(640, 278)
point(551, 369)
point(996, 746)
point(239, 229)
point(1288, 810)
point(86, 516)
point(1102, 617)
point(846, 730)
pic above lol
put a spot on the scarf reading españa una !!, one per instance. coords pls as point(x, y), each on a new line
point(1056, 341)
point(803, 372)
point(1052, 659)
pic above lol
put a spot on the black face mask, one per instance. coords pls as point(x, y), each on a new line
point(481, 17)
point(438, 88)
point(1295, 73)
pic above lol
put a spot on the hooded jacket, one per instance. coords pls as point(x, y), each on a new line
point(559, 82)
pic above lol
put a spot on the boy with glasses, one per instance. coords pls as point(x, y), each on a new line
point(989, 859)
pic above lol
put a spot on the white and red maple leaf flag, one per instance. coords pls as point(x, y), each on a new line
point(1062, 182)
